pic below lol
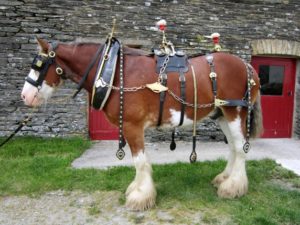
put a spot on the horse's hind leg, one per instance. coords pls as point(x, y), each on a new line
point(236, 183)
point(227, 171)
point(141, 193)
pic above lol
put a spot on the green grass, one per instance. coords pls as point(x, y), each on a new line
point(37, 165)
point(33, 166)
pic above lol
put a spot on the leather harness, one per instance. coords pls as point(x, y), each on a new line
point(223, 102)
point(176, 63)
point(105, 74)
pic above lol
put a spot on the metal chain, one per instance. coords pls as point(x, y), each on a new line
point(164, 66)
point(128, 89)
point(162, 70)
point(199, 106)
point(177, 98)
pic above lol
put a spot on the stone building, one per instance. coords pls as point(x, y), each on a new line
point(248, 28)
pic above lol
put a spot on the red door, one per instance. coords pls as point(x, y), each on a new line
point(100, 128)
point(277, 78)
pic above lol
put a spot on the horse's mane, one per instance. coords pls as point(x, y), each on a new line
point(128, 50)
point(136, 52)
point(196, 55)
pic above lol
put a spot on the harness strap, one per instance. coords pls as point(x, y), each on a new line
point(236, 102)
point(120, 152)
point(162, 97)
point(250, 83)
point(182, 93)
point(193, 156)
point(212, 75)
point(87, 71)
point(223, 102)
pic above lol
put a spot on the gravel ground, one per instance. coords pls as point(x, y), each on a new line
point(81, 208)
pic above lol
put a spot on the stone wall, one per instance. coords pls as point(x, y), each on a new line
point(238, 22)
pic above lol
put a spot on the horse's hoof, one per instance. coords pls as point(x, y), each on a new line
point(232, 188)
point(219, 179)
point(138, 201)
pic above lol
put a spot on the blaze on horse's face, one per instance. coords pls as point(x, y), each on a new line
point(35, 95)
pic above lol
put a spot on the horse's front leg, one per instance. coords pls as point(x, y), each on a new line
point(141, 193)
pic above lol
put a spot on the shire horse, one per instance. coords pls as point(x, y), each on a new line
point(141, 108)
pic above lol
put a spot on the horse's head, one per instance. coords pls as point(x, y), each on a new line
point(43, 76)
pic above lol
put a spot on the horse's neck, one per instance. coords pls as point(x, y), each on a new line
point(76, 58)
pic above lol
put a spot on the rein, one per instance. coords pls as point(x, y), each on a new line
point(88, 69)
point(27, 119)
point(21, 125)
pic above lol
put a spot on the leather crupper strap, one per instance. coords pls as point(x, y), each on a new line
point(213, 77)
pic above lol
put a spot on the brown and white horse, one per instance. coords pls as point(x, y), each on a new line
point(141, 108)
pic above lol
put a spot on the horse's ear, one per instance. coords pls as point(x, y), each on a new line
point(43, 45)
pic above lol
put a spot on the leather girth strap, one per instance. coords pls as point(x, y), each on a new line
point(162, 97)
point(182, 93)
point(179, 64)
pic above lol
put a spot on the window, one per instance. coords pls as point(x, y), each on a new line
point(271, 79)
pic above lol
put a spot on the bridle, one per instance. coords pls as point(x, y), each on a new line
point(41, 64)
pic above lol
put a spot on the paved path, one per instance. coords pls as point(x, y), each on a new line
point(102, 154)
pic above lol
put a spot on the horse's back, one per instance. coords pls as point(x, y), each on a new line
point(231, 74)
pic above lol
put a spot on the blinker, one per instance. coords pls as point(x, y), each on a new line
point(38, 62)
point(41, 63)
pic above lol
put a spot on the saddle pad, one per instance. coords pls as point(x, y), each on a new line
point(177, 63)
point(105, 75)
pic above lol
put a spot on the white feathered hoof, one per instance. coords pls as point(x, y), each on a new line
point(219, 179)
point(233, 187)
point(139, 200)
point(131, 187)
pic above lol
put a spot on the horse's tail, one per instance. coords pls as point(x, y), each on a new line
point(256, 123)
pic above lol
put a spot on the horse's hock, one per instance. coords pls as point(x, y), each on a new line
point(273, 20)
